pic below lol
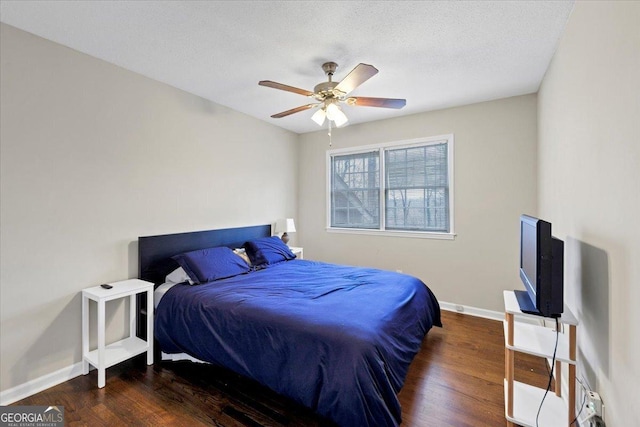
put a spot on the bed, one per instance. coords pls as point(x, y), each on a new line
point(337, 339)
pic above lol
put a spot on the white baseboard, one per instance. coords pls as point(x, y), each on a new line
point(472, 311)
point(36, 385)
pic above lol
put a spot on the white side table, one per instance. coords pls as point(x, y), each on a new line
point(297, 251)
point(119, 351)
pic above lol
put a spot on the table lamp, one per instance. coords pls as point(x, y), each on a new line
point(285, 226)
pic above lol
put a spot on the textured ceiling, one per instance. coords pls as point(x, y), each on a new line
point(434, 54)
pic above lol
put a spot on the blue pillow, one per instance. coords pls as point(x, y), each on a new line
point(207, 265)
point(267, 251)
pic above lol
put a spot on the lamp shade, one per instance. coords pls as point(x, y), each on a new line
point(318, 117)
point(335, 114)
point(340, 118)
point(332, 110)
point(285, 226)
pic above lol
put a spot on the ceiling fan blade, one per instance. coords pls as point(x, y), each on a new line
point(360, 74)
point(363, 101)
point(276, 85)
point(294, 110)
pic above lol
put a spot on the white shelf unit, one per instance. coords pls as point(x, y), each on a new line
point(525, 333)
point(118, 352)
point(527, 399)
point(105, 356)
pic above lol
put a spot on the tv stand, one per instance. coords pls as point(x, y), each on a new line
point(522, 400)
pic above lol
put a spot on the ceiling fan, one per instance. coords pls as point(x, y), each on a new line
point(330, 94)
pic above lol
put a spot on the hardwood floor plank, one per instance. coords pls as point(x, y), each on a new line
point(455, 380)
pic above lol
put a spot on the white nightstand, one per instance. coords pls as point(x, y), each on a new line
point(119, 351)
point(297, 251)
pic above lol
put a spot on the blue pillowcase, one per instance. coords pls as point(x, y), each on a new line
point(267, 251)
point(207, 265)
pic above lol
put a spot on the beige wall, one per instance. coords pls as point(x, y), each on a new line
point(589, 175)
point(94, 156)
point(495, 181)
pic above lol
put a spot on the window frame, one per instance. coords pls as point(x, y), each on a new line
point(381, 147)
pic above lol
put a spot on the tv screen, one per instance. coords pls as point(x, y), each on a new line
point(541, 268)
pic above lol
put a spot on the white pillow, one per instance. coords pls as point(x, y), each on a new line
point(243, 254)
point(159, 292)
point(178, 276)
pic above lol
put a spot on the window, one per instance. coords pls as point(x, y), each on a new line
point(400, 188)
point(355, 195)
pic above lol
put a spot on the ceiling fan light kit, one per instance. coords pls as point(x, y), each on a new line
point(335, 114)
point(319, 117)
point(329, 94)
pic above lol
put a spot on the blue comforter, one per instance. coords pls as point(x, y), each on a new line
point(336, 339)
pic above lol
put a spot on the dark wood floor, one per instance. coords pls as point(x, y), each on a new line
point(455, 380)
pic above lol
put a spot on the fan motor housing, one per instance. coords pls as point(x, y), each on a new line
point(326, 90)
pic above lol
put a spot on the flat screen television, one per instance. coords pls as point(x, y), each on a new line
point(541, 269)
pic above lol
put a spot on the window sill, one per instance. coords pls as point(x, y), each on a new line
point(393, 233)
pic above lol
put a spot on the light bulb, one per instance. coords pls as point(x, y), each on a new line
point(332, 111)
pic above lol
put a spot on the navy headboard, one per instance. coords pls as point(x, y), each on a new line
point(155, 252)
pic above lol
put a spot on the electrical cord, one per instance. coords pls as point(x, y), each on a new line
point(584, 394)
point(584, 400)
point(553, 364)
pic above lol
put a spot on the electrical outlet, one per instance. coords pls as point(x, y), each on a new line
point(594, 402)
point(587, 416)
point(592, 414)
